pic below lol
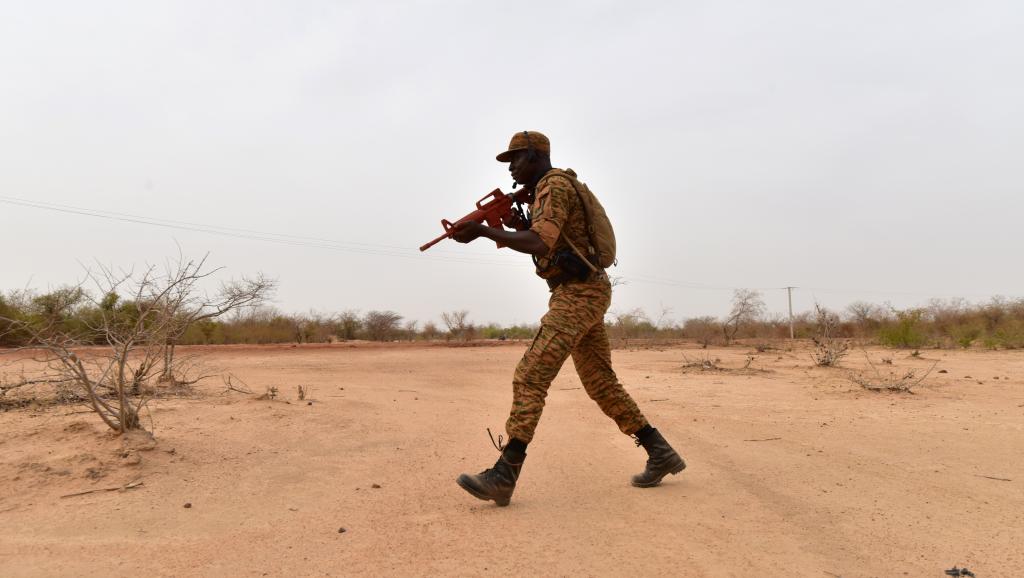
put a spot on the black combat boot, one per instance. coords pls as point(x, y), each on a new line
point(662, 460)
point(496, 483)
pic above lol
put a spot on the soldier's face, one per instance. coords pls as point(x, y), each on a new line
point(521, 168)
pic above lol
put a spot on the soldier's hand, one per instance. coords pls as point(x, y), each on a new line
point(467, 232)
point(514, 221)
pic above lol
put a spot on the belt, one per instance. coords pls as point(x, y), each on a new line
point(566, 278)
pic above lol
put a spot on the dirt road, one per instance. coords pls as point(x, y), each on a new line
point(794, 471)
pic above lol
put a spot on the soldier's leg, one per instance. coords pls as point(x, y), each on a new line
point(534, 374)
point(593, 360)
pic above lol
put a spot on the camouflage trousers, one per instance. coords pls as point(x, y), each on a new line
point(573, 325)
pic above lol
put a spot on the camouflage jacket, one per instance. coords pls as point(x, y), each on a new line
point(556, 213)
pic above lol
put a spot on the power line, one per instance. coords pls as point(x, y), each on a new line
point(376, 249)
point(254, 235)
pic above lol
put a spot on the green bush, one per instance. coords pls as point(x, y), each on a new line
point(10, 315)
point(1009, 334)
point(965, 335)
point(905, 331)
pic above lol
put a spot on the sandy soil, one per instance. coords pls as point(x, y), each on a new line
point(793, 471)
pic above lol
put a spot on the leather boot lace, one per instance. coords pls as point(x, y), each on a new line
point(500, 444)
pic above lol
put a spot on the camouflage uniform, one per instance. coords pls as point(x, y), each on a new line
point(573, 325)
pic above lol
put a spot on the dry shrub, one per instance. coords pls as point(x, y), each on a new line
point(138, 317)
point(706, 363)
point(230, 384)
point(270, 394)
point(828, 350)
point(892, 381)
point(705, 330)
point(633, 324)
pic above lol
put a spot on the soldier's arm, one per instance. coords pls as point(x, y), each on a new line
point(523, 241)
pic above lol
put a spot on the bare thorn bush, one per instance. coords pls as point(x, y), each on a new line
point(231, 385)
point(891, 381)
point(828, 350)
point(138, 318)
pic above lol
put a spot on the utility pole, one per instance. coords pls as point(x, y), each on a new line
point(790, 291)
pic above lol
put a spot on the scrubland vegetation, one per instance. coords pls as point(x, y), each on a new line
point(955, 323)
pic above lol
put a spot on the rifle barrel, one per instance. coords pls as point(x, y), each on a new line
point(435, 241)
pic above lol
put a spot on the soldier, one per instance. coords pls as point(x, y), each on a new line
point(574, 324)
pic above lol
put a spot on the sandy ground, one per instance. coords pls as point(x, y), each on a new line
point(793, 471)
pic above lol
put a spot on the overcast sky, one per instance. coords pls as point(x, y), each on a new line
point(857, 150)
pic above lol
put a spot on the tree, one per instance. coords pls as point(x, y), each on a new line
point(747, 306)
point(410, 329)
point(348, 324)
point(458, 324)
point(430, 331)
point(186, 305)
point(381, 325)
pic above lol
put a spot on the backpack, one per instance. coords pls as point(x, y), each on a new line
point(601, 250)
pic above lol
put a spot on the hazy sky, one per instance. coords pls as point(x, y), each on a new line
point(858, 150)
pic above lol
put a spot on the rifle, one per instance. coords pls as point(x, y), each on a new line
point(491, 209)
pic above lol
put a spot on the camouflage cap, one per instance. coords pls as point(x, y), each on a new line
point(525, 140)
